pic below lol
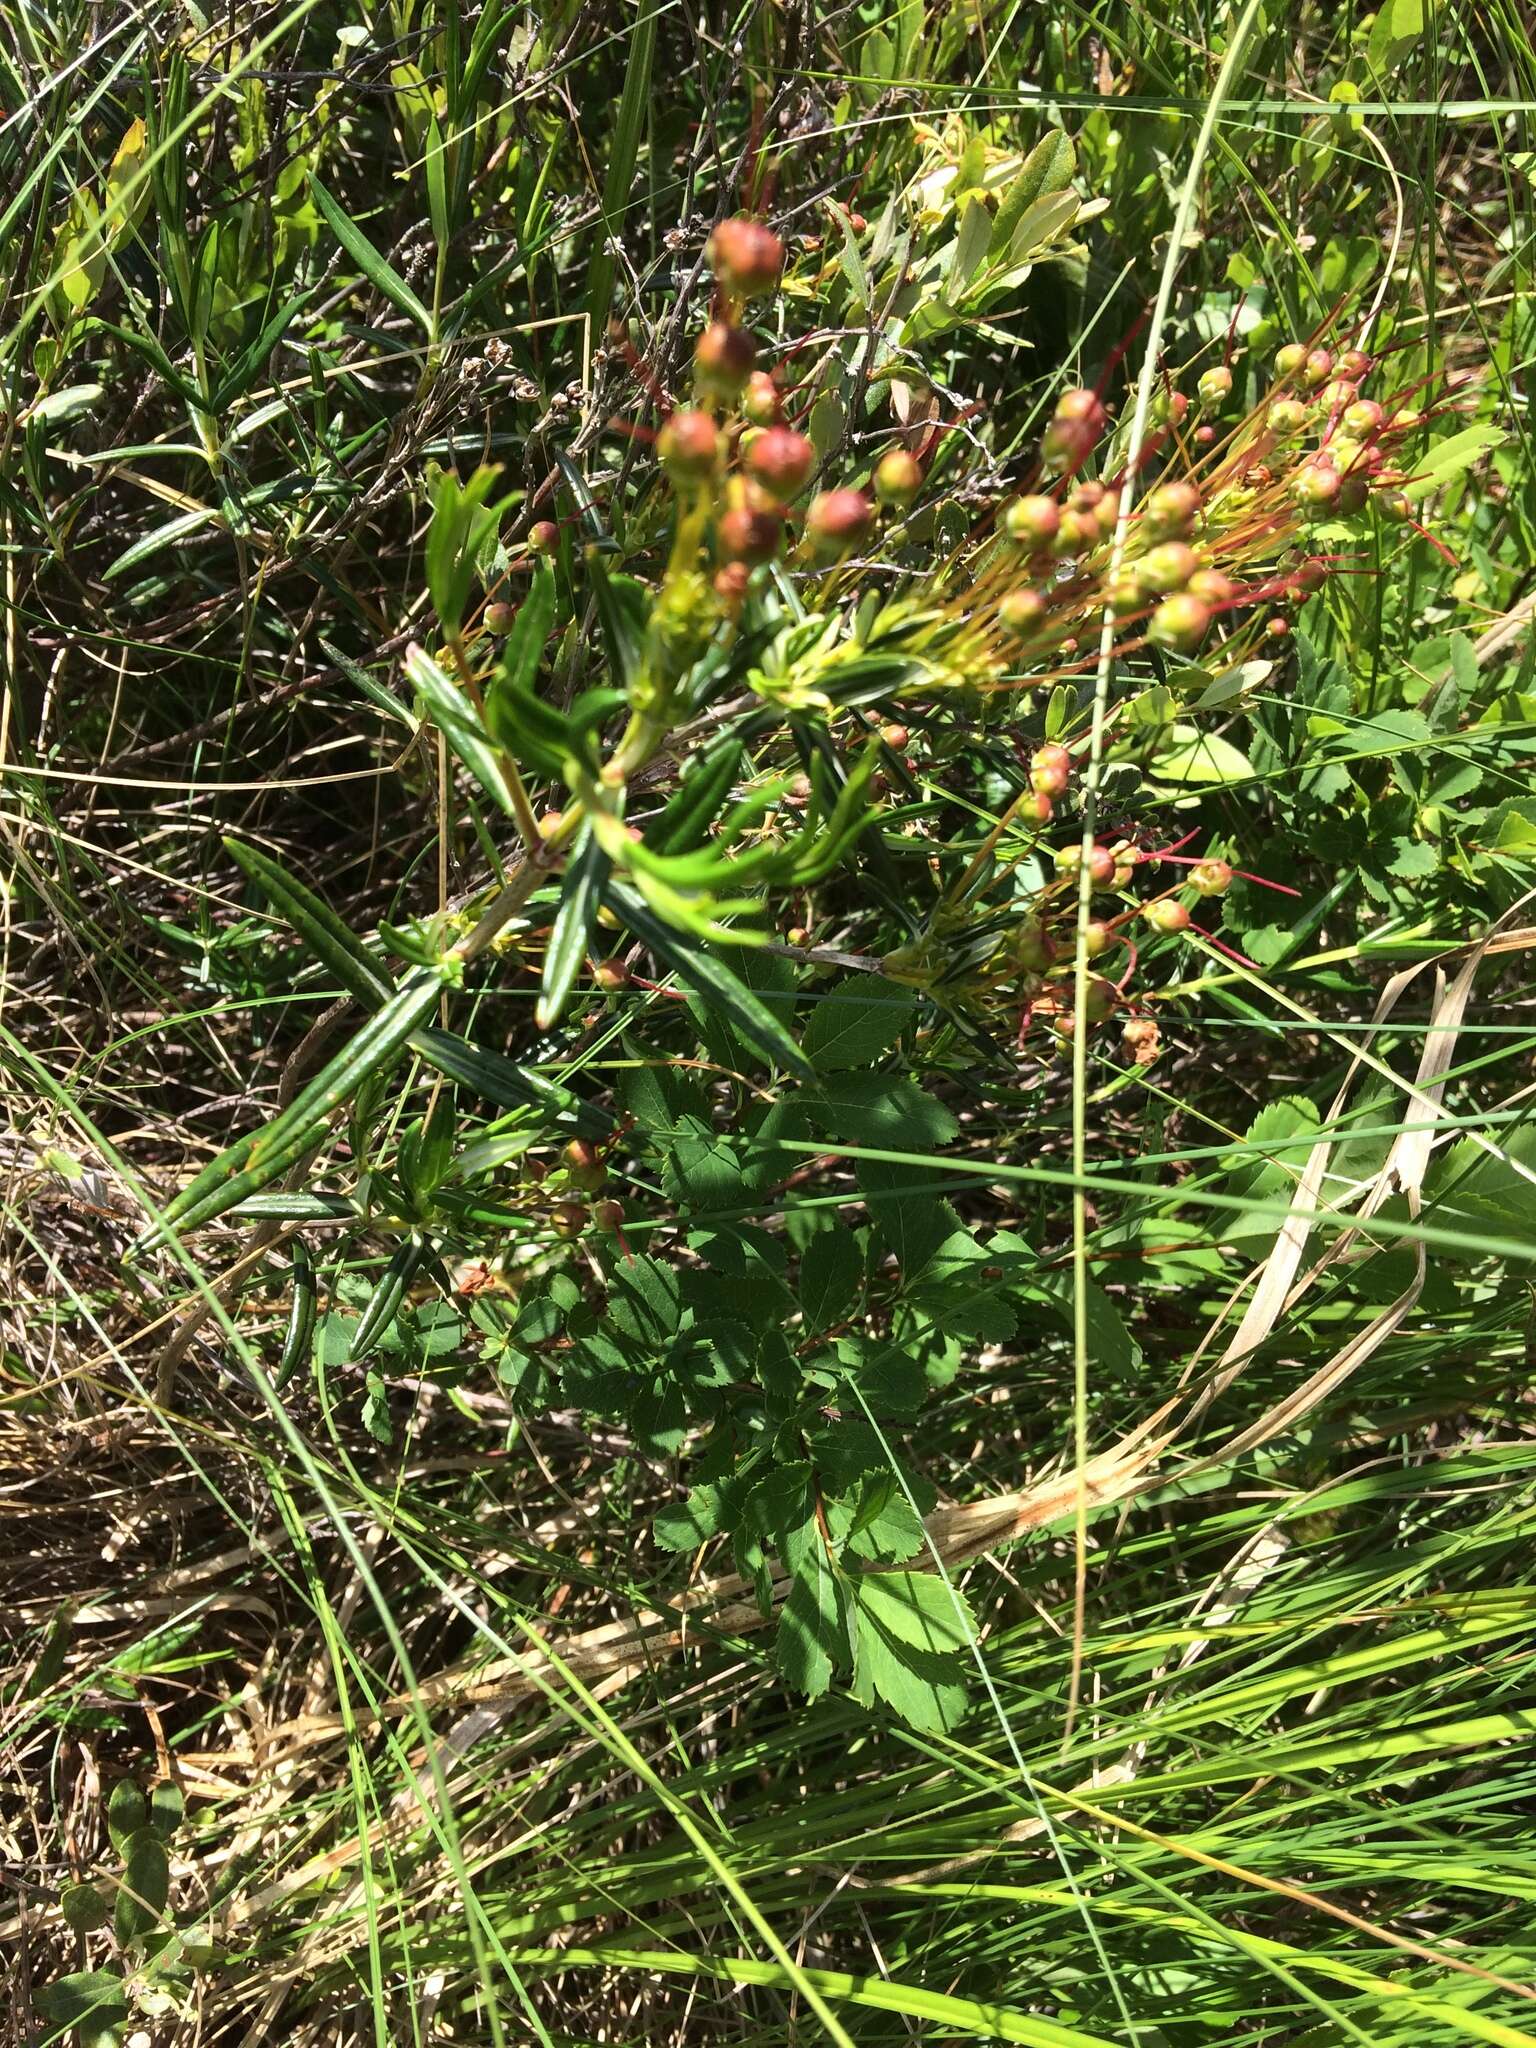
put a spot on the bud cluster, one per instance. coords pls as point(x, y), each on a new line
point(734, 454)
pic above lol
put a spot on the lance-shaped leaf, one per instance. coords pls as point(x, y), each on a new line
point(460, 724)
point(254, 1162)
point(717, 986)
point(340, 949)
point(379, 274)
point(580, 901)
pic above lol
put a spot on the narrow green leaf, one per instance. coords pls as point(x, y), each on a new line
point(710, 979)
point(524, 647)
point(571, 938)
point(502, 1081)
point(331, 941)
point(634, 110)
point(379, 274)
point(459, 722)
point(254, 1162)
point(385, 1301)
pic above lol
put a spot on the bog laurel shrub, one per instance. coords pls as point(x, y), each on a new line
point(833, 799)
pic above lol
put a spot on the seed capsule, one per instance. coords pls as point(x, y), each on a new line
point(1211, 878)
point(543, 537)
point(1167, 915)
point(688, 446)
point(749, 534)
point(1170, 510)
point(1215, 384)
point(1050, 770)
point(1033, 522)
point(1286, 416)
point(1212, 587)
point(745, 256)
point(1315, 485)
point(1167, 567)
point(1317, 369)
point(898, 479)
point(1022, 613)
point(723, 361)
point(1290, 359)
point(781, 460)
point(837, 521)
point(498, 618)
point(1180, 623)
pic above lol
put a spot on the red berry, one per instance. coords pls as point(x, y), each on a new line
point(781, 459)
point(838, 520)
point(689, 446)
point(896, 737)
point(732, 580)
point(745, 256)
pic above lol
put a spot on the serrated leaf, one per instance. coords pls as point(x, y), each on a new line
point(879, 1113)
point(1450, 457)
point(855, 1022)
point(812, 1637)
point(831, 1272)
point(1287, 1126)
point(694, 1521)
point(912, 1638)
point(907, 1210)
